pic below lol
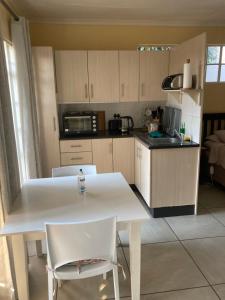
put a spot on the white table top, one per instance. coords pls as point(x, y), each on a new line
point(58, 200)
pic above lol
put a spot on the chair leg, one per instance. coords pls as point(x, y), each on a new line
point(50, 286)
point(104, 276)
point(116, 283)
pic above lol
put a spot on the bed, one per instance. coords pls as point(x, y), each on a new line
point(213, 154)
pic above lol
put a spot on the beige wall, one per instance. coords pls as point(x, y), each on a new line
point(72, 36)
point(4, 23)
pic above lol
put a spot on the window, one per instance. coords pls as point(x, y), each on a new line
point(215, 67)
point(12, 77)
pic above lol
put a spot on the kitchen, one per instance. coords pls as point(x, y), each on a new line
point(113, 103)
point(128, 83)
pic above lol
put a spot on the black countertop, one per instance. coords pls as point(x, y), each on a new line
point(138, 133)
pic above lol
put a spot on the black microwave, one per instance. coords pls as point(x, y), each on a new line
point(80, 123)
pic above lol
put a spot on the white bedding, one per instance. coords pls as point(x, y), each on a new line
point(216, 150)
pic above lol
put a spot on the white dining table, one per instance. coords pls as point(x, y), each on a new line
point(58, 200)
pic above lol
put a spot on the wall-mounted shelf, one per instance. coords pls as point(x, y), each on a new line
point(194, 94)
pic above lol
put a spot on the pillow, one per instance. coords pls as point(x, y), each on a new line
point(213, 138)
point(221, 135)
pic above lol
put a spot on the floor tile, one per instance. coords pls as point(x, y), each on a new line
point(167, 266)
point(220, 289)
point(209, 254)
point(211, 196)
point(218, 213)
point(152, 231)
point(205, 293)
point(94, 288)
point(191, 227)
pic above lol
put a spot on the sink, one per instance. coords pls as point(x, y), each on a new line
point(164, 140)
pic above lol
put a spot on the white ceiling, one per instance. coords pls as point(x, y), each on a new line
point(154, 12)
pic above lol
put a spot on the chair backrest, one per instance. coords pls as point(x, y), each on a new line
point(73, 170)
point(67, 243)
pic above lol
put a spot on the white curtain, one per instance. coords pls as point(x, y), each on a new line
point(27, 123)
point(9, 173)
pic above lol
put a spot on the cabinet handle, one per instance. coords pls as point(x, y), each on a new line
point(122, 90)
point(86, 90)
point(54, 124)
point(75, 146)
point(92, 91)
point(142, 89)
point(76, 158)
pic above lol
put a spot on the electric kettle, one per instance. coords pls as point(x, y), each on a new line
point(127, 124)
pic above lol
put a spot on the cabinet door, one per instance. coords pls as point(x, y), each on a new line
point(137, 164)
point(154, 67)
point(176, 170)
point(123, 157)
point(145, 181)
point(103, 155)
point(103, 69)
point(47, 109)
point(129, 75)
point(72, 76)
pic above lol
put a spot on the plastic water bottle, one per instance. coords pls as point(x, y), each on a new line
point(81, 181)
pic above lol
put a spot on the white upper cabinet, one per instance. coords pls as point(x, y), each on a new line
point(72, 76)
point(103, 69)
point(129, 76)
point(154, 67)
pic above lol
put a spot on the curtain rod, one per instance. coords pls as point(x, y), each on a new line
point(9, 10)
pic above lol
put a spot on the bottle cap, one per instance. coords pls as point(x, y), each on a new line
point(188, 60)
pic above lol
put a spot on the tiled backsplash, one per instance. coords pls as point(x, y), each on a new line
point(191, 114)
point(136, 110)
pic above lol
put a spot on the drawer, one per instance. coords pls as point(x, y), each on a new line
point(78, 158)
point(75, 146)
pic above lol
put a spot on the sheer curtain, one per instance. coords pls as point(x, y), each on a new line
point(25, 112)
point(9, 173)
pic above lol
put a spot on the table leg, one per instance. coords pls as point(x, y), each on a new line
point(135, 259)
point(20, 264)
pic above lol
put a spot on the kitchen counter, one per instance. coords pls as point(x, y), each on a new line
point(148, 142)
point(138, 133)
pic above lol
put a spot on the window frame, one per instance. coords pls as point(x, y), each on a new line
point(219, 64)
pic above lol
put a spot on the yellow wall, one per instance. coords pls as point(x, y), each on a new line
point(4, 23)
point(80, 37)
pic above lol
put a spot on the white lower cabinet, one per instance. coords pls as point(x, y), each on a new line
point(142, 170)
point(103, 155)
point(123, 157)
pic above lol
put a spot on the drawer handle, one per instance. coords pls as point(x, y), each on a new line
point(76, 158)
point(75, 146)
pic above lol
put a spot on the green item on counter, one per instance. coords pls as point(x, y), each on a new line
point(155, 134)
point(182, 128)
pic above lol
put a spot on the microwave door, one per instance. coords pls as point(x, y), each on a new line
point(79, 124)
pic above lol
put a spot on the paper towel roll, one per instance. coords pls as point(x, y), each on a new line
point(187, 79)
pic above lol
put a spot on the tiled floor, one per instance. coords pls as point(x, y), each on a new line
point(183, 258)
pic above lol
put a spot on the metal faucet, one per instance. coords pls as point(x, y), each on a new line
point(178, 135)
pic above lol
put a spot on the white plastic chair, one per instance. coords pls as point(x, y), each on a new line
point(73, 170)
point(70, 243)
